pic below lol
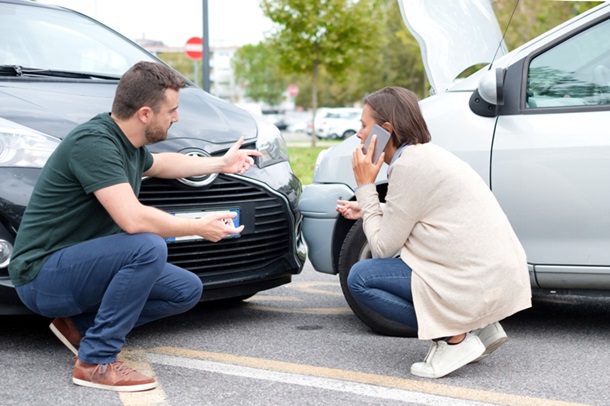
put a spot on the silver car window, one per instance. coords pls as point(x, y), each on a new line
point(575, 72)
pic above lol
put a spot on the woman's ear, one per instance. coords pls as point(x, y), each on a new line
point(388, 127)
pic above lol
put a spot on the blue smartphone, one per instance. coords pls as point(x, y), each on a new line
point(382, 140)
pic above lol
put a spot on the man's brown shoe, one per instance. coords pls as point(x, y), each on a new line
point(115, 376)
point(66, 331)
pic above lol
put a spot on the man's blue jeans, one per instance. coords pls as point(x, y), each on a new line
point(108, 286)
point(384, 286)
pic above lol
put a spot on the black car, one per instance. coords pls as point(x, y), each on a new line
point(59, 68)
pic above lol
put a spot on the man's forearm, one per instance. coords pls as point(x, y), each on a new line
point(170, 165)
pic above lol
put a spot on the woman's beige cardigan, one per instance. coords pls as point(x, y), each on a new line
point(469, 269)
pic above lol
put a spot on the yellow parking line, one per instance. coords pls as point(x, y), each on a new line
point(270, 298)
point(313, 287)
point(426, 387)
point(306, 287)
point(327, 311)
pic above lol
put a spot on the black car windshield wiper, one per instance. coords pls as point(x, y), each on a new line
point(18, 70)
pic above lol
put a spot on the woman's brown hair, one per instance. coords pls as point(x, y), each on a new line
point(399, 107)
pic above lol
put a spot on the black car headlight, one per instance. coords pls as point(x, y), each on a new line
point(24, 147)
point(6, 250)
point(270, 143)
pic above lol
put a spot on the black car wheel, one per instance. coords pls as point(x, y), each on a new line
point(355, 248)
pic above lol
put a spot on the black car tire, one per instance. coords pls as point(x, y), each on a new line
point(355, 248)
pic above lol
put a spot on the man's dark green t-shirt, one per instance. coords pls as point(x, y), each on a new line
point(63, 210)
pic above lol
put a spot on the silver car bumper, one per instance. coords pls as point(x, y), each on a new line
point(318, 204)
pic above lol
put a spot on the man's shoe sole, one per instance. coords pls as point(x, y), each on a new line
point(63, 339)
point(116, 388)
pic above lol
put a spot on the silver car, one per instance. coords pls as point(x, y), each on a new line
point(534, 123)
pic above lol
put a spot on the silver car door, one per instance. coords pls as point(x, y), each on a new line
point(551, 160)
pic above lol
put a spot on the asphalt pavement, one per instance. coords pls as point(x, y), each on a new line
point(300, 344)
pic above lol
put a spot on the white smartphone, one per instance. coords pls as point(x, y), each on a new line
point(382, 140)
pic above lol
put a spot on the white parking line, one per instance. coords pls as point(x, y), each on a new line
point(360, 389)
point(415, 391)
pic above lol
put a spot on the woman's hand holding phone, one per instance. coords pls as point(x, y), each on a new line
point(381, 140)
point(367, 159)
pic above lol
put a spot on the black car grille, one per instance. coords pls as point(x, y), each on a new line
point(268, 227)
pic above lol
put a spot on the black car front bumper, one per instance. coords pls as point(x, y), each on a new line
point(267, 253)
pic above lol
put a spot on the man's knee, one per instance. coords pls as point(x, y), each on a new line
point(193, 295)
point(187, 287)
point(153, 242)
point(152, 247)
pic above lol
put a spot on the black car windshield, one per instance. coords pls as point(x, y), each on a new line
point(56, 40)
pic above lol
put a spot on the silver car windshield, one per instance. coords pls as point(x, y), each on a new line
point(57, 40)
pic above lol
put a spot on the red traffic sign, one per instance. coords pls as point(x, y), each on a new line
point(293, 90)
point(194, 48)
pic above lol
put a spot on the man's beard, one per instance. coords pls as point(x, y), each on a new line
point(154, 133)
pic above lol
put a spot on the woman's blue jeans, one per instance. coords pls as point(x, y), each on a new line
point(108, 286)
point(383, 285)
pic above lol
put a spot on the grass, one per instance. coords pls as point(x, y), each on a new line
point(303, 160)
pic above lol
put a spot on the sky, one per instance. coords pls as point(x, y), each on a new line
point(231, 22)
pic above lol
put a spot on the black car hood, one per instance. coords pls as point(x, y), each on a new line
point(56, 107)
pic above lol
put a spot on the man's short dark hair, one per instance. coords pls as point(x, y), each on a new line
point(144, 84)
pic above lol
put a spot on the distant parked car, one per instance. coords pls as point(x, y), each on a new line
point(533, 123)
point(339, 123)
point(276, 118)
point(335, 122)
point(299, 126)
point(59, 68)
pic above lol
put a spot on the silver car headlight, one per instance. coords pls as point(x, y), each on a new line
point(319, 160)
point(23, 147)
point(270, 143)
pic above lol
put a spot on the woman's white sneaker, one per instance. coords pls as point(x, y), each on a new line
point(492, 337)
point(443, 358)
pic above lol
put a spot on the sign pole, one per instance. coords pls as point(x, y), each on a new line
point(206, 48)
point(196, 72)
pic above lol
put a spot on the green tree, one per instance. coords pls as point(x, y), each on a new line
point(397, 61)
point(328, 34)
point(394, 61)
point(531, 18)
point(256, 67)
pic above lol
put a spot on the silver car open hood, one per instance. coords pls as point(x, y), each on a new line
point(453, 35)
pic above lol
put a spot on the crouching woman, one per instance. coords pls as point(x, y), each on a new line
point(460, 267)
